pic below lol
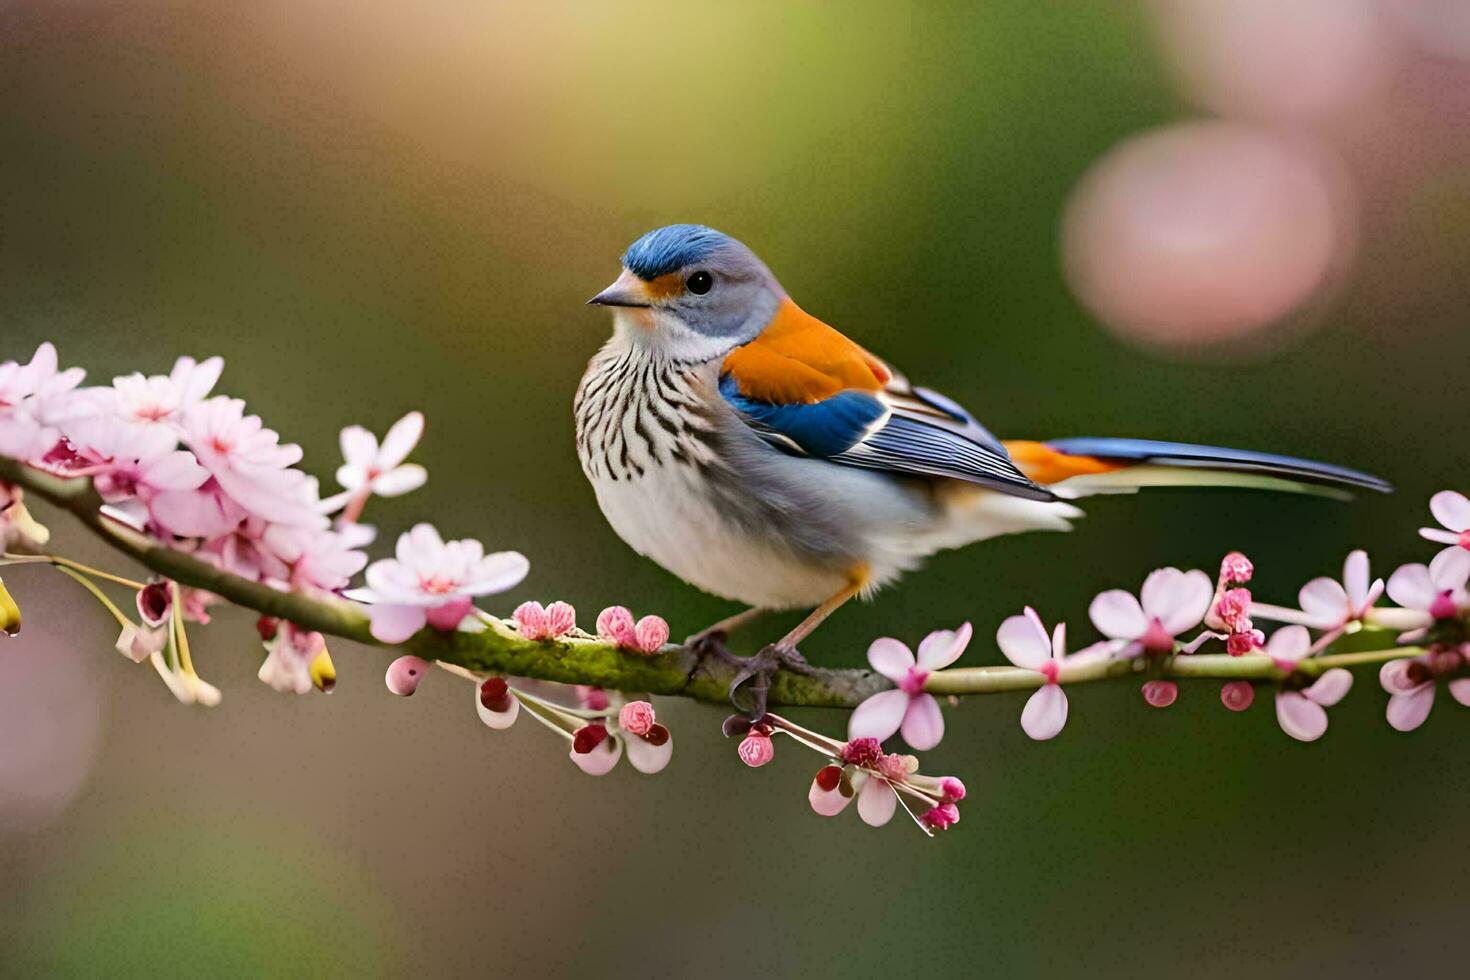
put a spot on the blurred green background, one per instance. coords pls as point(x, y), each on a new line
point(371, 208)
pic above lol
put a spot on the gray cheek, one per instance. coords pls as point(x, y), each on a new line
point(740, 315)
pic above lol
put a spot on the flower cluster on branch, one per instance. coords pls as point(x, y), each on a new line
point(213, 503)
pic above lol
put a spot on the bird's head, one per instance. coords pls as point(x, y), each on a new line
point(692, 290)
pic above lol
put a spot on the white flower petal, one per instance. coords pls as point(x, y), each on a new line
point(1118, 615)
point(1451, 509)
point(876, 802)
point(400, 440)
point(1460, 690)
point(1289, 643)
point(1024, 641)
point(1355, 579)
point(394, 624)
point(1450, 569)
point(359, 447)
point(879, 716)
point(1331, 687)
point(1411, 587)
point(923, 723)
point(943, 647)
point(1191, 596)
point(647, 757)
point(1324, 600)
point(890, 657)
point(1300, 717)
point(1407, 711)
point(600, 761)
point(496, 573)
point(1045, 713)
point(397, 482)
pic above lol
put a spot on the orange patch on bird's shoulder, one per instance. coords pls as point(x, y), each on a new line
point(1046, 466)
point(798, 358)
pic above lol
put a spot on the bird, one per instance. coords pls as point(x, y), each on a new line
point(764, 457)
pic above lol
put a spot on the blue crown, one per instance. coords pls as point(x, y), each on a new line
point(672, 247)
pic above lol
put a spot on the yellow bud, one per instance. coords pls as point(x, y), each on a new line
point(30, 534)
point(9, 612)
point(323, 673)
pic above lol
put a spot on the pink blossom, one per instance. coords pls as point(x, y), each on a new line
point(908, 707)
point(1438, 589)
point(1411, 685)
point(1173, 602)
point(248, 461)
point(647, 635)
point(290, 653)
point(756, 749)
point(380, 470)
point(138, 643)
point(1025, 643)
point(1452, 510)
point(34, 397)
point(591, 698)
point(941, 817)
point(316, 558)
point(1302, 713)
point(164, 398)
point(1233, 609)
point(432, 582)
point(405, 674)
point(1240, 644)
point(496, 703)
point(1327, 604)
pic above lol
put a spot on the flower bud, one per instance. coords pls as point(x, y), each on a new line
point(497, 706)
point(1237, 695)
point(651, 752)
point(139, 644)
point(756, 749)
point(531, 620)
point(591, 698)
point(405, 674)
point(1236, 568)
point(9, 612)
point(941, 817)
point(636, 718)
point(615, 623)
point(602, 752)
point(951, 790)
point(561, 619)
point(652, 633)
point(155, 604)
point(588, 737)
point(323, 672)
point(267, 627)
point(1160, 694)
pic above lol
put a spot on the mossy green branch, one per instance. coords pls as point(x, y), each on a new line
point(581, 659)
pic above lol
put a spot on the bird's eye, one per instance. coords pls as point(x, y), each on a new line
point(700, 283)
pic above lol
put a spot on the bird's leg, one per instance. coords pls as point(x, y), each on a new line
point(757, 670)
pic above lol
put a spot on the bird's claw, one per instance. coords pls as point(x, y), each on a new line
point(711, 643)
point(757, 671)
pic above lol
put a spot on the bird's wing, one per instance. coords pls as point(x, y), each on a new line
point(807, 389)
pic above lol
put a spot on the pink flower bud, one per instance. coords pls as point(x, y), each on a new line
point(1160, 694)
point(446, 618)
point(531, 620)
point(267, 626)
point(942, 817)
point(495, 694)
point(951, 790)
point(636, 718)
point(652, 633)
point(756, 750)
point(1237, 695)
point(615, 623)
point(405, 674)
point(561, 619)
point(894, 767)
point(1237, 568)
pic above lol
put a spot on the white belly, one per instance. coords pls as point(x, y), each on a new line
point(662, 517)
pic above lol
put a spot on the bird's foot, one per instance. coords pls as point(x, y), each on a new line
point(756, 672)
point(710, 644)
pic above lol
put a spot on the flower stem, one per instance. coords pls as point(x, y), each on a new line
point(97, 594)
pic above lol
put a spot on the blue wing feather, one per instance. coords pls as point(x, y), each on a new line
point(855, 428)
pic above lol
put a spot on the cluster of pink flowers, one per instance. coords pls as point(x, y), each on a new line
point(600, 730)
point(1176, 612)
point(858, 769)
point(197, 472)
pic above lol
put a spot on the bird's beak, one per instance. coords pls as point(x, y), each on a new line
point(626, 290)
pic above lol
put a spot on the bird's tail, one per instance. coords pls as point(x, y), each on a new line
point(1081, 467)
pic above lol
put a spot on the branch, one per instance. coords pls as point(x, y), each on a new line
point(582, 659)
